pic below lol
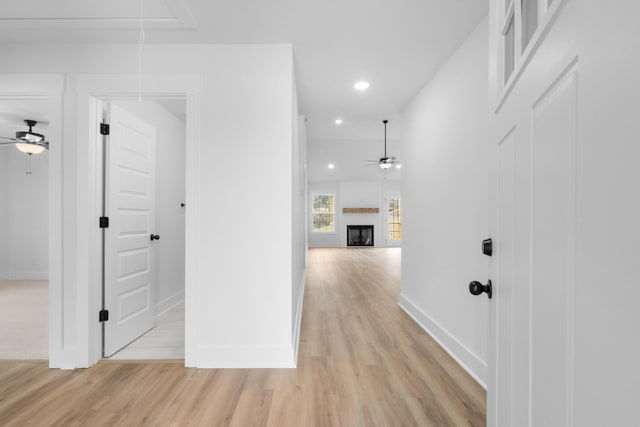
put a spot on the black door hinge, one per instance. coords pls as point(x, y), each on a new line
point(104, 222)
point(103, 315)
point(104, 129)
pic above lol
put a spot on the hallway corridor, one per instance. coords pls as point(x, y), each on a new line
point(362, 362)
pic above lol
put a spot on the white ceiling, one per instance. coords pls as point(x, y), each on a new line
point(348, 158)
point(395, 45)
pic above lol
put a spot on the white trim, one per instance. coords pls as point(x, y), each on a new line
point(168, 303)
point(522, 58)
point(28, 275)
point(91, 90)
point(335, 214)
point(243, 357)
point(385, 218)
point(468, 360)
point(51, 87)
point(508, 17)
point(177, 17)
point(298, 323)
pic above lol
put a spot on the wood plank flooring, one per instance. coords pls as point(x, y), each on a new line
point(362, 362)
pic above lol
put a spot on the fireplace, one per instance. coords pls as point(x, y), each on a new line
point(359, 235)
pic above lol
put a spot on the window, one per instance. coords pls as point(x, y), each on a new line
point(509, 52)
point(323, 210)
point(529, 12)
point(394, 219)
point(521, 22)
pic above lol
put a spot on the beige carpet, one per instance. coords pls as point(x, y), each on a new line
point(24, 323)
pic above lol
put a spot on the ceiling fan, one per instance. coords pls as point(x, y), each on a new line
point(28, 142)
point(385, 162)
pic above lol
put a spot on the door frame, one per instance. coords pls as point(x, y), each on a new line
point(92, 91)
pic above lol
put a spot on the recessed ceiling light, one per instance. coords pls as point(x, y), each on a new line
point(338, 121)
point(398, 166)
point(361, 85)
point(331, 166)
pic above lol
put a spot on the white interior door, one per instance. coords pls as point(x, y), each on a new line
point(534, 145)
point(565, 217)
point(129, 256)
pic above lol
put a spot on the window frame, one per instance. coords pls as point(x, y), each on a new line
point(313, 212)
point(387, 204)
point(510, 13)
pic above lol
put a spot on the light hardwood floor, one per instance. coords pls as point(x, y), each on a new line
point(362, 362)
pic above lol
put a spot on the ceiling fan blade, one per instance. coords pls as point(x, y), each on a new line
point(7, 143)
point(9, 139)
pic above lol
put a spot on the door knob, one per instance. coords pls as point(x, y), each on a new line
point(155, 237)
point(477, 288)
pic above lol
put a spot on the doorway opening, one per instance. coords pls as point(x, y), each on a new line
point(24, 233)
point(143, 250)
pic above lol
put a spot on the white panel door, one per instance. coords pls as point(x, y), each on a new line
point(565, 214)
point(129, 279)
point(533, 142)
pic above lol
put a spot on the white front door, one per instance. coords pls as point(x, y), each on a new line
point(392, 219)
point(564, 146)
point(129, 294)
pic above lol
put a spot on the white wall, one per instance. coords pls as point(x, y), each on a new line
point(170, 192)
point(239, 308)
point(352, 194)
point(27, 210)
point(4, 212)
point(299, 241)
point(445, 197)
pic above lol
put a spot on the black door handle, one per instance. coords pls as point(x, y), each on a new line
point(155, 237)
point(477, 288)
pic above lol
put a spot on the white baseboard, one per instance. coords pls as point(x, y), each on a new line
point(298, 322)
point(168, 303)
point(31, 275)
point(250, 357)
point(469, 361)
point(242, 358)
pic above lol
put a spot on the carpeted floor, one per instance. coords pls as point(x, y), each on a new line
point(24, 319)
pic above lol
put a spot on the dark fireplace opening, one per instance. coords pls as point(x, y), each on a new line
point(359, 235)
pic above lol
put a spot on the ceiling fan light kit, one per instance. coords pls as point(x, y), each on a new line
point(386, 162)
point(28, 141)
point(29, 148)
